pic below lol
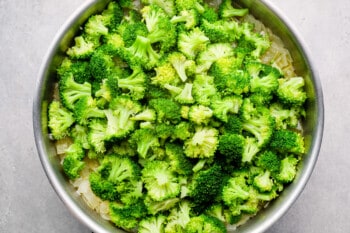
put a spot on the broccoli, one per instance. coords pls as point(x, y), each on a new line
point(79, 69)
point(264, 78)
point(154, 207)
point(233, 125)
point(192, 42)
point(79, 134)
point(154, 224)
point(220, 31)
point(203, 89)
point(165, 74)
point(103, 188)
point(86, 108)
point(259, 42)
point(72, 162)
point(288, 169)
point(97, 25)
point(146, 115)
point(250, 149)
point(206, 187)
point(166, 109)
point(231, 147)
point(113, 15)
point(213, 53)
point(200, 114)
point(181, 64)
point(226, 10)
point(222, 107)
point(144, 140)
point(179, 163)
point(189, 17)
point(130, 31)
point(60, 120)
point(107, 90)
point(290, 91)
point(286, 117)
point(263, 182)
point(159, 27)
point(167, 5)
point(135, 84)
point(202, 144)
point(189, 4)
point(101, 64)
point(71, 91)
point(287, 141)
point(83, 48)
point(270, 161)
point(182, 131)
point(160, 181)
point(210, 14)
point(97, 134)
point(205, 223)
point(127, 216)
point(178, 218)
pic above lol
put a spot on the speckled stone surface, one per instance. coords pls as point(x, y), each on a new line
point(29, 204)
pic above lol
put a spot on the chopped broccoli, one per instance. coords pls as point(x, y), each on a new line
point(226, 10)
point(202, 144)
point(179, 163)
point(200, 114)
point(86, 108)
point(269, 160)
point(205, 223)
point(178, 218)
point(287, 141)
point(203, 89)
point(222, 107)
point(144, 140)
point(193, 42)
point(160, 181)
point(288, 169)
point(60, 120)
point(167, 5)
point(181, 64)
point(166, 109)
point(231, 147)
point(154, 224)
point(83, 48)
point(72, 162)
point(189, 17)
point(135, 84)
point(290, 91)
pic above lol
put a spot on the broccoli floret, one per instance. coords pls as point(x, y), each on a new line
point(141, 52)
point(160, 181)
point(130, 31)
point(165, 74)
point(259, 42)
point(101, 64)
point(210, 14)
point(263, 182)
point(202, 144)
point(235, 191)
point(183, 131)
point(192, 42)
point(127, 216)
point(206, 186)
point(103, 188)
point(200, 114)
point(189, 17)
point(291, 91)
point(80, 70)
point(115, 41)
point(226, 10)
point(144, 140)
point(84, 46)
point(179, 163)
point(97, 134)
point(189, 4)
point(167, 5)
point(261, 125)
point(119, 122)
point(181, 64)
point(251, 148)
point(287, 141)
point(205, 223)
point(178, 218)
point(203, 89)
point(264, 78)
point(97, 25)
point(164, 131)
point(86, 108)
point(159, 27)
point(71, 91)
point(155, 207)
point(135, 84)
point(72, 162)
point(227, 78)
point(231, 147)
point(222, 107)
point(213, 53)
point(60, 120)
point(146, 115)
point(114, 14)
point(79, 134)
point(153, 224)
point(270, 161)
point(288, 169)
point(108, 90)
point(286, 117)
point(166, 109)
point(185, 96)
point(220, 31)
point(233, 125)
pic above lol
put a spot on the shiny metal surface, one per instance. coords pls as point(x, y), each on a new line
point(313, 125)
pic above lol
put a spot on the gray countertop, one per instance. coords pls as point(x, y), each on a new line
point(29, 204)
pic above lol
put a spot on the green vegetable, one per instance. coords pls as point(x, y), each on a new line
point(173, 117)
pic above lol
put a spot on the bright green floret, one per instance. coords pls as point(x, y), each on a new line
point(287, 141)
point(193, 42)
point(144, 140)
point(205, 223)
point(288, 169)
point(226, 10)
point(153, 224)
point(60, 120)
point(86, 108)
point(291, 91)
point(73, 161)
point(160, 181)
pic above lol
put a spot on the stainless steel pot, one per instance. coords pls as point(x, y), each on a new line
point(313, 125)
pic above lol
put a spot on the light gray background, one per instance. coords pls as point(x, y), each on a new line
point(29, 204)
